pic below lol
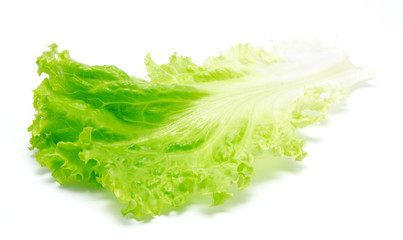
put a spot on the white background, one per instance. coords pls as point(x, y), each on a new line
point(348, 187)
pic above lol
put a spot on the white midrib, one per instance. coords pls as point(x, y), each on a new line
point(258, 94)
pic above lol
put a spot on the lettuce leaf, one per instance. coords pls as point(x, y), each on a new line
point(189, 128)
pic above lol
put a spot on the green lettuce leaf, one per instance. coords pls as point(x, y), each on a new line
point(190, 128)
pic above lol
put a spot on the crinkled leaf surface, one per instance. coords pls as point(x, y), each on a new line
point(190, 128)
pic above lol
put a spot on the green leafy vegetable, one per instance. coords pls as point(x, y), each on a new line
point(190, 128)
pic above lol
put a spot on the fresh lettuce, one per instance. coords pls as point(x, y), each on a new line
point(188, 128)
